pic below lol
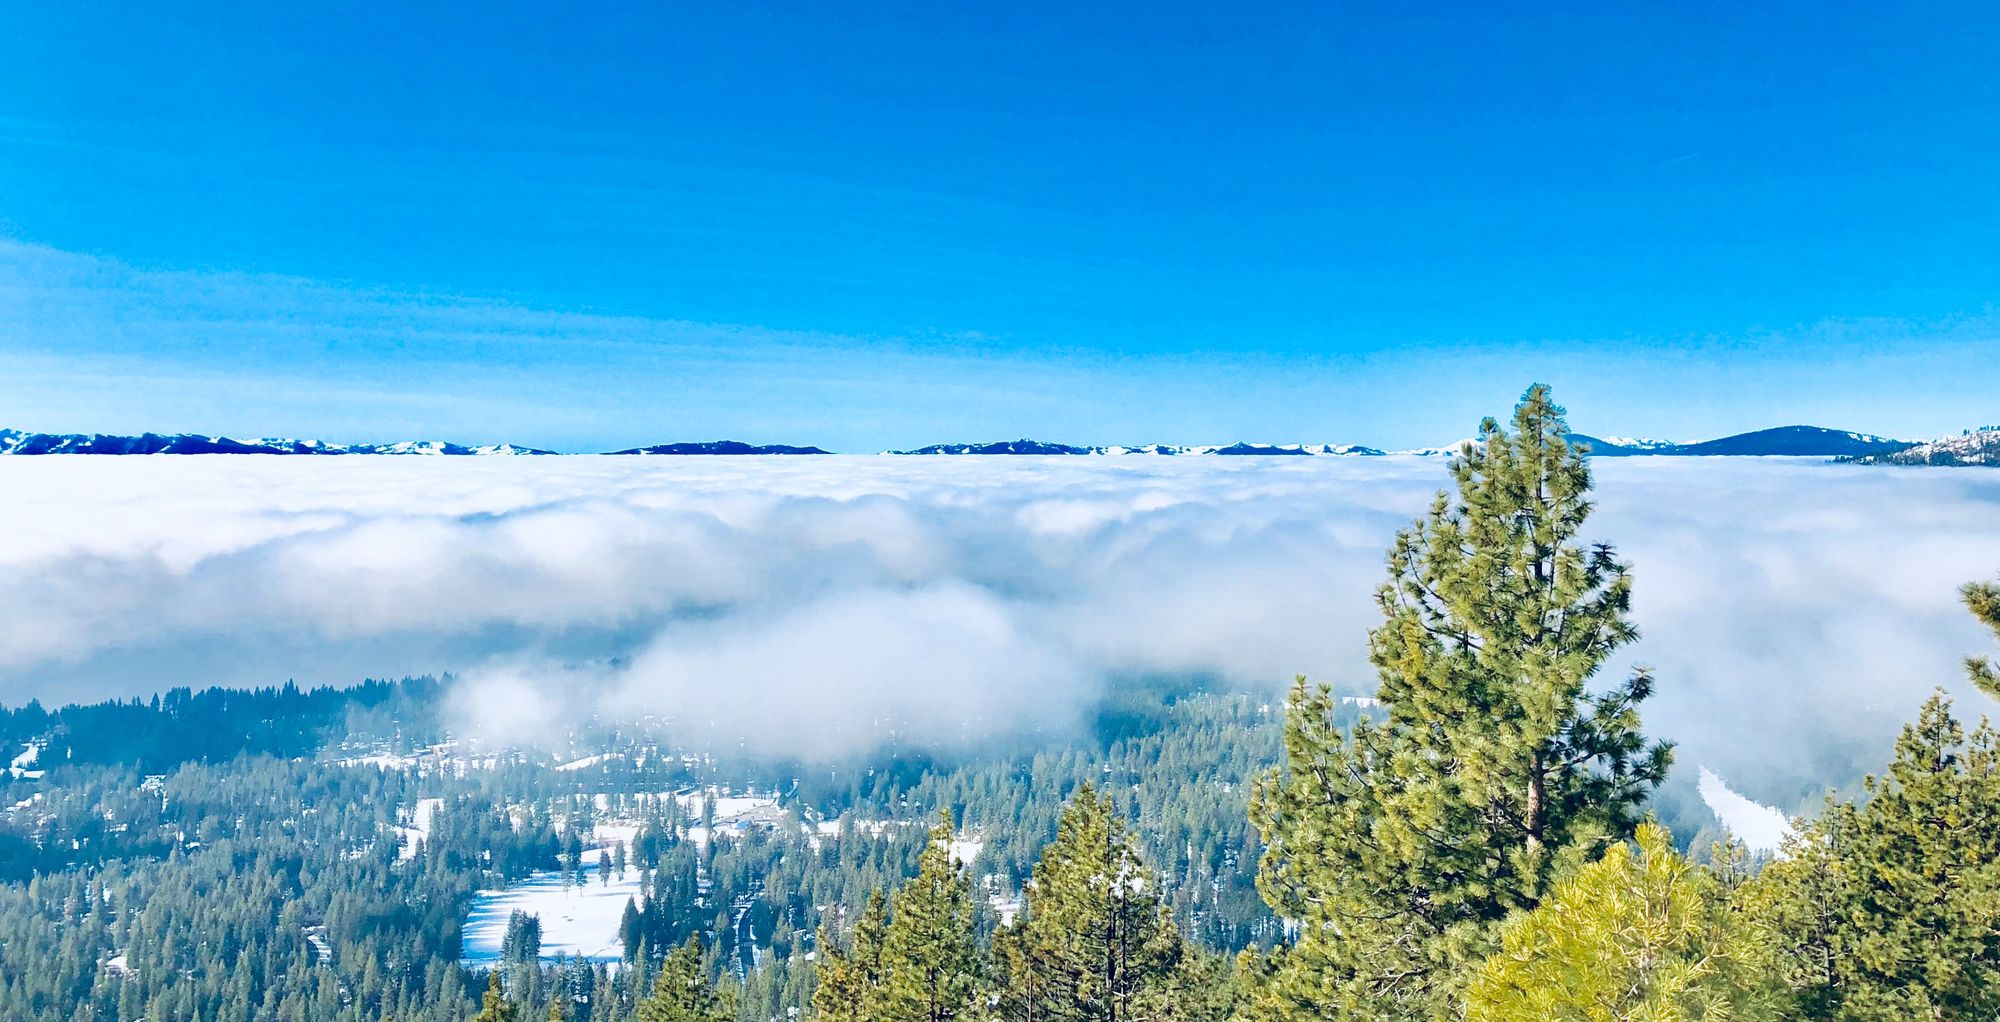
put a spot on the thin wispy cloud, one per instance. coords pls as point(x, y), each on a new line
point(96, 344)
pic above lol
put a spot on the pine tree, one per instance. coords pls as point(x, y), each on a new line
point(631, 929)
point(932, 965)
point(1983, 599)
point(848, 980)
point(1202, 989)
point(1890, 909)
point(682, 992)
point(495, 1007)
point(1629, 937)
point(559, 1007)
point(1094, 942)
point(523, 939)
point(1397, 847)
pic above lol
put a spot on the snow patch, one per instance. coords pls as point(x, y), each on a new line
point(1760, 827)
point(422, 816)
point(30, 755)
point(578, 920)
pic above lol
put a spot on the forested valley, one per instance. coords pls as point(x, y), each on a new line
point(1492, 835)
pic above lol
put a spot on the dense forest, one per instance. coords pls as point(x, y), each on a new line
point(1487, 839)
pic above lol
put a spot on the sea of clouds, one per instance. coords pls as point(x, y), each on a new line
point(1794, 611)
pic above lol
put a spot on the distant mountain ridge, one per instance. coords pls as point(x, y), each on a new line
point(1025, 446)
point(1973, 447)
point(1794, 441)
point(720, 447)
point(14, 441)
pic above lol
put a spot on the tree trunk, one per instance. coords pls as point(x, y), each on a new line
point(1532, 817)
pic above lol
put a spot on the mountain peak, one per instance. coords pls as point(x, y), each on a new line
point(14, 441)
point(1979, 446)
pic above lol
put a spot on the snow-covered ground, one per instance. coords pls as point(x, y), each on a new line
point(30, 755)
point(607, 835)
point(966, 847)
point(1006, 907)
point(589, 761)
point(727, 807)
point(1759, 826)
point(381, 761)
point(579, 921)
point(419, 829)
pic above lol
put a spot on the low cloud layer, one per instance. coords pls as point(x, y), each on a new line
point(1795, 612)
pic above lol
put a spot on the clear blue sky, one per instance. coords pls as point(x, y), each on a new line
point(866, 225)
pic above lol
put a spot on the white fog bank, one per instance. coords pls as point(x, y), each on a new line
point(1794, 611)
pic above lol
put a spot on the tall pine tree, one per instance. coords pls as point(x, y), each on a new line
point(1094, 942)
point(1397, 847)
point(683, 992)
point(932, 964)
point(1890, 909)
point(494, 1006)
point(850, 977)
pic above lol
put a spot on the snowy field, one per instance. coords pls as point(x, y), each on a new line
point(1794, 611)
point(422, 816)
point(577, 921)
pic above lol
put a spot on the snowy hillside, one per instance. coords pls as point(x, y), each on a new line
point(13, 441)
point(1973, 447)
point(1025, 446)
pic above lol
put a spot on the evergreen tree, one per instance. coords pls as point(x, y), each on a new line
point(932, 969)
point(1890, 909)
point(1397, 847)
point(849, 980)
point(1094, 942)
point(682, 992)
point(631, 930)
point(495, 1007)
point(1627, 938)
point(1983, 599)
point(523, 940)
point(1202, 989)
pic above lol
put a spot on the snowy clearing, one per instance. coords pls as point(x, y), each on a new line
point(421, 818)
point(30, 755)
point(578, 921)
point(1759, 826)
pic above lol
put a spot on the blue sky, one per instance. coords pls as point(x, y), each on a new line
point(880, 225)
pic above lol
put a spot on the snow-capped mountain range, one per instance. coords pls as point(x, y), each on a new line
point(1973, 447)
point(1796, 441)
point(1039, 447)
point(13, 441)
point(1801, 441)
point(720, 447)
